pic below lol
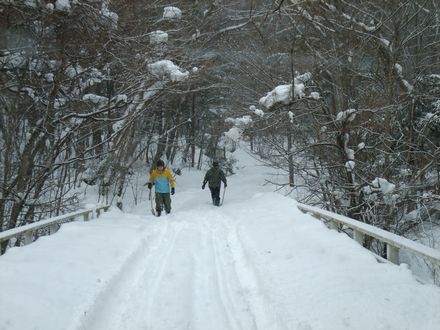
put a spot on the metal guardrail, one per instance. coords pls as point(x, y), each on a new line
point(27, 231)
point(393, 242)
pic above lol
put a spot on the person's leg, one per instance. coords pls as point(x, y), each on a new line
point(159, 203)
point(216, 196)
point(167, 202)
point(219, 188)
point(212, 194)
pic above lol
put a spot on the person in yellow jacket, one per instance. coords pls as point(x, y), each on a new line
point(163, 180)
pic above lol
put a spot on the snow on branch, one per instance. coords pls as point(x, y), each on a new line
point(235, 132)
point(172, 13)
point(234, 27)
point(380, 184)
point(239, 122)
point(158, 37)
point(13, 60)
point(63, 5)
point(258, 112)
point(167, 70)
point(94, 98)
point(280, 94)
point(348, 115)
point(283, 93)
point(112, 16)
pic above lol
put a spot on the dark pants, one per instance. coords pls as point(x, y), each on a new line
point(163, 201)
point(215, 194)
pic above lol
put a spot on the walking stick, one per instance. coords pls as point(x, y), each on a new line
point(223, 197)
point(152, 202)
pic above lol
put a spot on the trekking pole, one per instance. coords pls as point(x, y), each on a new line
point(150, 198)
point(223, 197)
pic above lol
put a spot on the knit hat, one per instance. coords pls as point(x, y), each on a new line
point(160, 163)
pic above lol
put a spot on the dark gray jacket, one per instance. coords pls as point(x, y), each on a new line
point(214, 177)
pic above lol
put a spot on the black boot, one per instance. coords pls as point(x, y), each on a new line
point(158, 213)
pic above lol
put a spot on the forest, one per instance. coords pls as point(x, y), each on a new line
point(341, 96)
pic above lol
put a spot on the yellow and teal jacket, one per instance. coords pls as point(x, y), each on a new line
point(162, 180)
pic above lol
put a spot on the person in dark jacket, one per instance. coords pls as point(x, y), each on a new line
point(214, 177)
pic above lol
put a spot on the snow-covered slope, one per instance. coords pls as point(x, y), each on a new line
point(256, 262)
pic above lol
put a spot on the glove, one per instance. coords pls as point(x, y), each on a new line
point(226, 185)
point(203, 186)
point(173, 191)
point(150, 185)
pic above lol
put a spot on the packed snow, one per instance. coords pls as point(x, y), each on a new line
point(256, 262)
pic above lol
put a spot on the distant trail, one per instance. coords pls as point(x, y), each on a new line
point(188, 273)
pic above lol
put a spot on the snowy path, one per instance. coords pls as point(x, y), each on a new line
point(195, 271)
point(257, 262)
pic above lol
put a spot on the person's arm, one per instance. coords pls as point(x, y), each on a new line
point(171, 181)
point(207, 176)
point(206, 179)
point(150, 180)
point(223, 178)
point(171, 178)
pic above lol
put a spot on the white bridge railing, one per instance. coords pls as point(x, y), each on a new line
point(393, 242)
point(27, 231)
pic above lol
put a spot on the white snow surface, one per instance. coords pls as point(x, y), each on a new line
point(256, 262)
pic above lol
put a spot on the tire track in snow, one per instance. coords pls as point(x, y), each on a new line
point(144, 296)
point(213, 305)
point(265, 316)
point(228, 284)
point(230, 290)
point(129, 299)
point(116, 295)
point(160, 263)
point(177, 293)
point(188, 273)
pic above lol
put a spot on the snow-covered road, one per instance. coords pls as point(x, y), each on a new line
point(191, 274)
point(256, 262)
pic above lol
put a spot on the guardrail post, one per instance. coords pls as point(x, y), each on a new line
point(436, 273)
point(53, 228)
point(28, 237)
point(393, 254)
point(333, 225)
point(103, 208)
point(358, 237)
